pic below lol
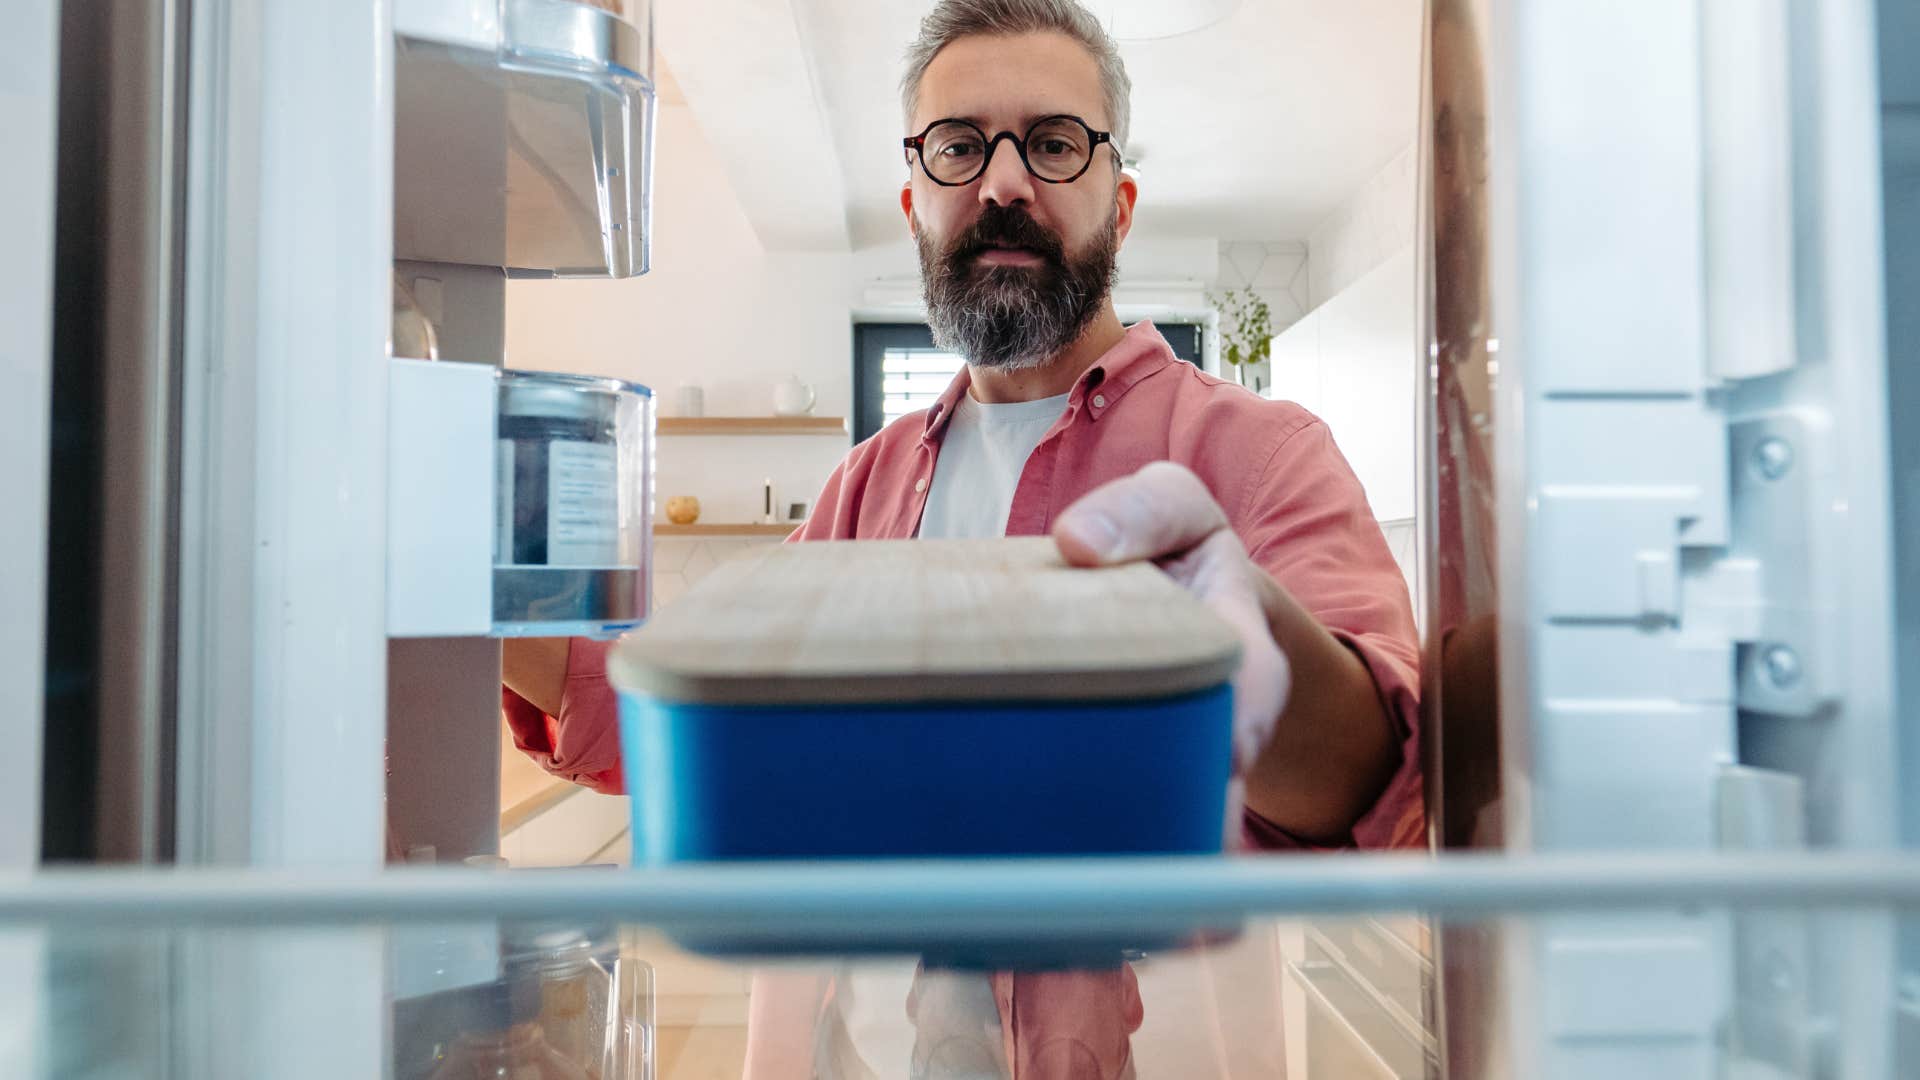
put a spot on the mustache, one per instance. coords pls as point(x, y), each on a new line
point(1006, 227)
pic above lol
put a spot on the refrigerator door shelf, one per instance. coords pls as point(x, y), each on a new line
point(524, 140)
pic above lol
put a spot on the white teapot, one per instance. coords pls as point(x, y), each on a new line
point(791, 397)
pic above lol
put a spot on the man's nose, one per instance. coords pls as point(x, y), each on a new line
point(1006, 181)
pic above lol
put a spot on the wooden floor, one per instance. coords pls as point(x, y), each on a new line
point(700, 1012)
point(704, 1053)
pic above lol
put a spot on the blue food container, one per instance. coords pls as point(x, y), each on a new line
point(872, 699)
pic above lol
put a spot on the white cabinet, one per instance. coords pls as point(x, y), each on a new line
point(1354, 362)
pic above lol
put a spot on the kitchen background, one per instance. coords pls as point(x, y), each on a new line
point(1274, 149)
point(1663, 677)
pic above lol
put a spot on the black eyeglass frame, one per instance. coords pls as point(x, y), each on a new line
point(1095, 139)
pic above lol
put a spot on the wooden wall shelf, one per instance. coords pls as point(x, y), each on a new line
point(753, 425)
point(701, 529)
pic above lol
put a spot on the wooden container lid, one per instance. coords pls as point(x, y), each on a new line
point(871, 621)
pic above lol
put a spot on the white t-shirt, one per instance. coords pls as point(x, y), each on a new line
point(981, 457)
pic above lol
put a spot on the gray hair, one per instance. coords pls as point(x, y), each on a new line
point(954, 19)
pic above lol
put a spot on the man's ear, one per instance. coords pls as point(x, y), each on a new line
point(1124, 195)
point(906, 206)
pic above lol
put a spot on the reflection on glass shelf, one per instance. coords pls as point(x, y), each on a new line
point(1328, 967)
point(1310, 997)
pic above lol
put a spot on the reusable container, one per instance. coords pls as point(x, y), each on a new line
point(926, 698)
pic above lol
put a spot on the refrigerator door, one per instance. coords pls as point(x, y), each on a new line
point(1661, 526)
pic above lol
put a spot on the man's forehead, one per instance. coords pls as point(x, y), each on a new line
point(1011, 80)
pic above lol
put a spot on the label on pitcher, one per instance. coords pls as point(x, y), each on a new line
point(503, 502)
point(583, 526)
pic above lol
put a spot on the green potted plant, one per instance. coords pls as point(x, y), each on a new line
point(1245, 333)
point(1246, 328)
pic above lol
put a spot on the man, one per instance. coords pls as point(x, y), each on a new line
point(1066, 422)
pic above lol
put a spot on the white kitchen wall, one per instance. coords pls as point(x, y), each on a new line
point(1352, 362)
point(1277, 273)
point(1353, 357)
point(1369, 226)
point(1277, 270)
point(680, 561)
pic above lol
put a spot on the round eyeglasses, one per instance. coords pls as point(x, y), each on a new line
point(1056, 149)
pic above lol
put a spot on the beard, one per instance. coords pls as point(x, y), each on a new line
point(1013, 317)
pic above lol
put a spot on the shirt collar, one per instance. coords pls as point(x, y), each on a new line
point(1140, 353)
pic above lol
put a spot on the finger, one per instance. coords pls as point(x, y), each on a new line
point(1161, 510)
point(1261, 683)
point(1234, 835)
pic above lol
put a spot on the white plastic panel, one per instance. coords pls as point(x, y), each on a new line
point(440, 498)
point(1789, 522)
point(474, 24)
point(1610, 206)
point(1670, 450)
point(321, 460)
point(1630, 995)
point(1649, 987)
point(28, 92)
point(1632, 662)
point(1900, 150)
point(1614, 554)
point(284, 510)
point(22, 985)
point(1630, 716)
point(1749, 188)
point(1629, 775)
point(1704, 412)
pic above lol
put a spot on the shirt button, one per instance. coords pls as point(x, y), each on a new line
point(1099, 401)
point(920, 485)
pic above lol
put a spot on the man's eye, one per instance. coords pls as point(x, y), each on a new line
point(957, 150)
point(1055, 147)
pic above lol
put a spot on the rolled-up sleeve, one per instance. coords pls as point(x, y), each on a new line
point(1306, 521)
point(582, 744)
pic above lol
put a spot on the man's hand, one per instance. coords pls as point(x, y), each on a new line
point(1312, 743)
point(1164, 513)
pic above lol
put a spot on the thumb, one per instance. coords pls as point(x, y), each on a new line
point(1164, 509)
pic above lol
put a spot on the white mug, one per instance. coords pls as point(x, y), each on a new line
point(791, 397)
point(689, 400)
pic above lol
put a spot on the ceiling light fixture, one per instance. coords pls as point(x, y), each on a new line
point(1151, 20)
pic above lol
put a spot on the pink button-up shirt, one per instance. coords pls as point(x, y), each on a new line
point(1289, 495)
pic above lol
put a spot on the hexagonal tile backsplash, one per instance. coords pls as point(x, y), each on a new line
point(679, 561)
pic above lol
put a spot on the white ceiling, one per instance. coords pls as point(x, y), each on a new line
point(1253, 128)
